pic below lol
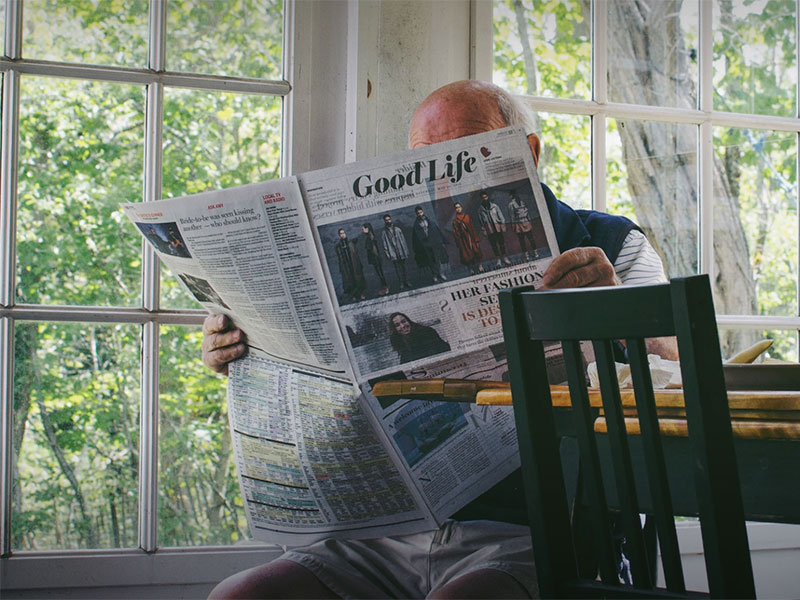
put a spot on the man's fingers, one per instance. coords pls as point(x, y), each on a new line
point(214, 323)
point(221, 344)
point(565, 263)
point(580, 267)
point(217, 360)
point(214, 341)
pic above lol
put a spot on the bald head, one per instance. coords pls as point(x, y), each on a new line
point(466, 108)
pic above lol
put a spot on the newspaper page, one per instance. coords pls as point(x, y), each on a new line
point(310, 463)
point(248, 252)
point(416, 247)
point(455, 451)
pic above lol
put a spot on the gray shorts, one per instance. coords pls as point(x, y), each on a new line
point(411, 566)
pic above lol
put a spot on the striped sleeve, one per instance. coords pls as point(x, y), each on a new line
point(638, 263)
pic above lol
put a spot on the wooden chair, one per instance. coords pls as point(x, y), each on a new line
point(682, 308)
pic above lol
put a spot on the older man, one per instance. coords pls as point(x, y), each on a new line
point(484, 551)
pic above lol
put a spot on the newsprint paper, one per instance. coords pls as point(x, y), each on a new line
point(382, 269)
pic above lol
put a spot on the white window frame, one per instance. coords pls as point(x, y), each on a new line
point(147, 565)
point(704, 117)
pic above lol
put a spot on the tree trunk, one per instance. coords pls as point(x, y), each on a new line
point(50, 433)
point(647, 65)
point(25, 341)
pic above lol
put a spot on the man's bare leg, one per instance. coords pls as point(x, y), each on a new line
point(277, 579)
point(481, 584)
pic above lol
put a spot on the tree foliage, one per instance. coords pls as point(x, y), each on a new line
point(651, 173)
point(77, 386)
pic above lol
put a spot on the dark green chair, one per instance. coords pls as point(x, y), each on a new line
point(681, 308)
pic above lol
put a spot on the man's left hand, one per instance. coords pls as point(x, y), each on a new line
point(580, 267)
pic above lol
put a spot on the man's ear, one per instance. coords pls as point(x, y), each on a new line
point(536, 147)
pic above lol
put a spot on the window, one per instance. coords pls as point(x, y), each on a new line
point(689, 112)
point(117, 435)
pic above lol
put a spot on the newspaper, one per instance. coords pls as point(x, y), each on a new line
point(388, 268)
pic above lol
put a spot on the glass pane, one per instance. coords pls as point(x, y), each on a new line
point(784, 346)
point(543, 48)
point(652, 52)
point(755, 222)
point(236, 37)
point(199, 500)
point(216, 140)
point(76, 436)
point(565, 161)
point(755, 69)
point(112, 32)
point(652, 179)
point(81, 153)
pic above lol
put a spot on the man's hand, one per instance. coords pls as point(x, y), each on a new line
point(580, 267)
point(222, 343)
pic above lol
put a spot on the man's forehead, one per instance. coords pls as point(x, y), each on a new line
point(442, 119)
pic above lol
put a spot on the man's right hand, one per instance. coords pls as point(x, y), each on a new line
point(222, 343)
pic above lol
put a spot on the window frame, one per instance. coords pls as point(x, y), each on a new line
point(154, 78)
point(704, 117)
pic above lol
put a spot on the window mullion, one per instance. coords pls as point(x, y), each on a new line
point(149, 410)
point(600, 96)
point(8, 223)
point(705, 201)
point(797, 162)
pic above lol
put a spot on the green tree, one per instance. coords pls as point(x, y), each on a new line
point(652, 57)
point(76, 397)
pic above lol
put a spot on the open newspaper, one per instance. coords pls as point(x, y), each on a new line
point(382, 269)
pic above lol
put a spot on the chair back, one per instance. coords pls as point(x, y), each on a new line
point(681, 308)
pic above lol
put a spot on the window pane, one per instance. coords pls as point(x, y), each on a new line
point(543, 48)
point(236, 37)
point(199, 499)
point(755, 70)
point(652, 52)
point(81, 149)
point(652, 179)
point(76, 436)
point(216, 140)
point(112, 32)
point(565, 162)
point(784, 346)
point(755, 221)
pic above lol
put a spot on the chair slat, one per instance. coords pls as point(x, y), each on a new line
point(623, 466)
point(584, 416)
point(656, 466)
point(542, 473)
point(708, 418)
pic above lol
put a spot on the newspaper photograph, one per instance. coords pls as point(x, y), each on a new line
point(417, 246)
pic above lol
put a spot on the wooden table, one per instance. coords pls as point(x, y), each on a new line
point(766, 427)
point(754, 415)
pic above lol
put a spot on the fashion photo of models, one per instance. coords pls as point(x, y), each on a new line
point(432, 242)
point(353, 282)
point(428, 244)
point(520, 219)
point(373, 250)
point(467, 240)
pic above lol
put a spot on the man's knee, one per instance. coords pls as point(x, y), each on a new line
point(484, 583)
point(277, 579)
